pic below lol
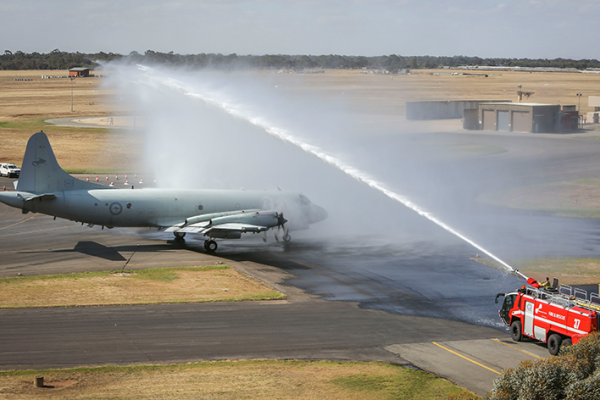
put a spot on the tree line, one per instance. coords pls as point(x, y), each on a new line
point(57, 59)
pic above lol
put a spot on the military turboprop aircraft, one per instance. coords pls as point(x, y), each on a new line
point(46, 188)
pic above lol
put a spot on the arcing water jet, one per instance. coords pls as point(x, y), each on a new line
point(243, 113)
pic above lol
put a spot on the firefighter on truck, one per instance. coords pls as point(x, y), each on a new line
point(556, 316)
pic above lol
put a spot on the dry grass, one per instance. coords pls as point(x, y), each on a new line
point(232, 380)
point(379, 99)
point(151, 286)
point(570, 271)
point(51, 97)
point(85, 150)
point(369, 94)
point(388, 94)
point(548, 87)
point(25, 105)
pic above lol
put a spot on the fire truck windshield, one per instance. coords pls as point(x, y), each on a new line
point(509, 302)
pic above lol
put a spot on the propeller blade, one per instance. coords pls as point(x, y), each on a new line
point(280, 220)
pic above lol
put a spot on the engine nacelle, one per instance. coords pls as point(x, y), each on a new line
point(207, 217)
point(260, 218)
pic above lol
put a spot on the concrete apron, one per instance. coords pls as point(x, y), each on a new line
point(472, 364)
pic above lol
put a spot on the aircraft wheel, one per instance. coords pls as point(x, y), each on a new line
point(287, 237)
point(179, 236)
point(211, 246)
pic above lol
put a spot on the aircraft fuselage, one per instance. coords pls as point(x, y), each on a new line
point(44, 187)
point(161, 207)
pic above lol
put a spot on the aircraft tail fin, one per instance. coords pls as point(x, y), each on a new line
point(40, 171)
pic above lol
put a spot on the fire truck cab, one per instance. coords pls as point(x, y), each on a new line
point(556, 316)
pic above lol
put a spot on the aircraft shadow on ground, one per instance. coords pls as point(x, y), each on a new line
point(95, 249)
point(98, 250)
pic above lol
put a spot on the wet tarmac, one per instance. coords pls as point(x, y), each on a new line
point(387, 257)
point(425, 279)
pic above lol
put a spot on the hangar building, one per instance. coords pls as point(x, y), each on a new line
point(594, 101)
point(526, 117)
point(428, 110)
point(79, 72)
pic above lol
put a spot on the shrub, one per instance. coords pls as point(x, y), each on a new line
point(573, 374)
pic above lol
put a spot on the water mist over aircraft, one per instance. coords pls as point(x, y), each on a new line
point(219, 101)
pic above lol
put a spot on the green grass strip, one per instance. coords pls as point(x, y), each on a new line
point(158, 274)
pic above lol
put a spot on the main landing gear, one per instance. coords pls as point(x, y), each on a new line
point(179, 236)
point(210, 246)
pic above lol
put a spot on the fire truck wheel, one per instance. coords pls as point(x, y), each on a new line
point(515, 331)
point(567, 342)
point(554, 342)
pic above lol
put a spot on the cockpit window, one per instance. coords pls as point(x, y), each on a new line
point(304, 200)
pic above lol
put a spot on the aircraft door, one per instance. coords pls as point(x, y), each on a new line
point(141, 215)
point(528, 328)
point(152, 215)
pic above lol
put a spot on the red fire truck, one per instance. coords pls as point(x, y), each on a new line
point(556, 316)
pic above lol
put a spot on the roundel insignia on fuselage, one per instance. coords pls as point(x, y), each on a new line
point(115, 208)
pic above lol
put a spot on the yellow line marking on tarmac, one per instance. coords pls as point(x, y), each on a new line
point(516, 348)
point(43, 230)
point(466, 358)
point(25, 220)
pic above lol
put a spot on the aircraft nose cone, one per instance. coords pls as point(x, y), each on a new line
point(280, 219)
point(317, 214)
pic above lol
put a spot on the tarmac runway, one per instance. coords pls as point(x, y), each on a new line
point(350, 297)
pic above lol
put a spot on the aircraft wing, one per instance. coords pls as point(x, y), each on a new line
point(183, 227)
point(228, 227)
point(229, 224)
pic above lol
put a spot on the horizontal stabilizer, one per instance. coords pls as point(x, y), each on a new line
point(45, 196)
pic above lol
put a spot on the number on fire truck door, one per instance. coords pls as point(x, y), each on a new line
point(528, 325)
point(576, 323)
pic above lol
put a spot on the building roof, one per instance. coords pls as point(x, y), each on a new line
point(78, 69)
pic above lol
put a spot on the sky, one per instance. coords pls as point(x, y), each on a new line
point(484, 28)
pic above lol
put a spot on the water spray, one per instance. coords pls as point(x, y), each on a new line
point(239, 112)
